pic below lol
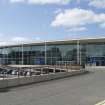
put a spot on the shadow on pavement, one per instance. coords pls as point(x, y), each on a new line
point(4, 90)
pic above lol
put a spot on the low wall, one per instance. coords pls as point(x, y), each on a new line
point(93, 68)
point(35, 79)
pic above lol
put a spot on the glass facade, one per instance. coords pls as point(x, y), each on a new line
point(95, 54)
point(52, 54)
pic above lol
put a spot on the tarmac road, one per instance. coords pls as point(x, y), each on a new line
point(87, 89)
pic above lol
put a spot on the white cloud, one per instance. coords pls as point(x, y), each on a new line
point(102, 25)
point(58, 10)
point(75, 18)
point(16, 1)
point(37, 39)
point(49, 1)
point(97, 3)
point(76, 29)
point(19, 39)
point(1, 34)
point(42, 2)
point(3, 43)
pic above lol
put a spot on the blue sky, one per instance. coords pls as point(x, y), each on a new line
point(51, 19)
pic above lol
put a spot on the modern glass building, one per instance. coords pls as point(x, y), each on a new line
point(83, 52)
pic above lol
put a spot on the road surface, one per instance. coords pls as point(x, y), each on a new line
point(87, 89)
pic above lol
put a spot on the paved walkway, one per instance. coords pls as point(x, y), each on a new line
point(101, 103)
point(87, 89)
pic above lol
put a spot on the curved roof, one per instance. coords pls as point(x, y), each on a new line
point(56, 42)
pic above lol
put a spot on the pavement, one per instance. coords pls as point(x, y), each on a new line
point(101, 103)
point(87, 89)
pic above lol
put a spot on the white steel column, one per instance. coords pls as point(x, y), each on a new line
point(78, 52)
point(22, 55)
point(3, 56)
point(45, 53)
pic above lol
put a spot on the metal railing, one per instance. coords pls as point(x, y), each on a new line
point(30, 70)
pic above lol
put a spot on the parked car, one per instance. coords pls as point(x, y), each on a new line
point(9, 71)
point(14, 72)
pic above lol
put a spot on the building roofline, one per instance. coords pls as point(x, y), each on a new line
point(67, 41)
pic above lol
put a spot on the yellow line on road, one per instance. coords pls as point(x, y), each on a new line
point(101, 103)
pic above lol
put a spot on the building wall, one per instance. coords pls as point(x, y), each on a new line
point(91, 54)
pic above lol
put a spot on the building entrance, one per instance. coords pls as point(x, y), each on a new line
point(96, 61)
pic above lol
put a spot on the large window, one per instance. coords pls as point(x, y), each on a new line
point(52, 54)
